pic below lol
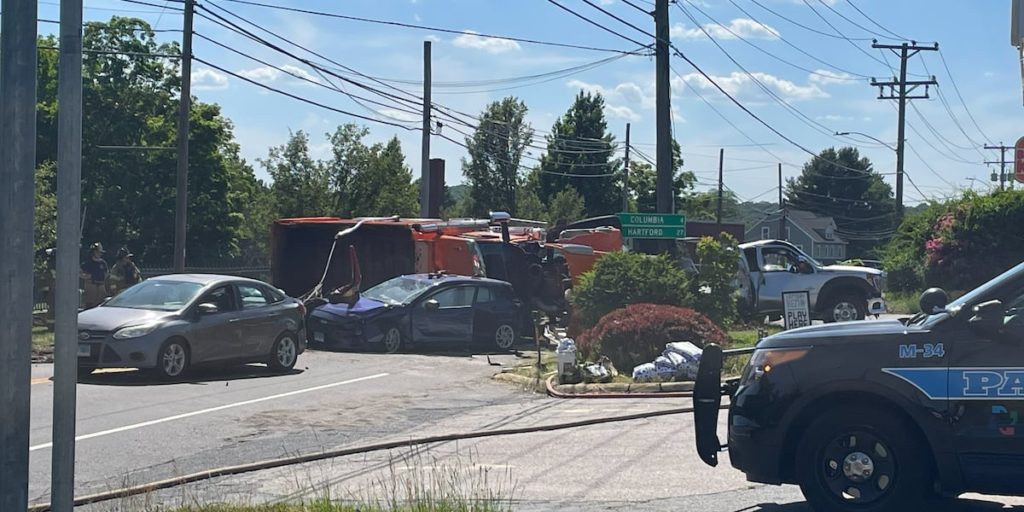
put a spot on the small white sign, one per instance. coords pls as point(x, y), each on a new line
point(796, 309)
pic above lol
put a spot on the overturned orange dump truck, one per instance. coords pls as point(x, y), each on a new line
point(300, 249)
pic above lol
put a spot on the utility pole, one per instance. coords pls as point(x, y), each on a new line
point(66, 300)
point(1002, 162)
point(782, 209)
point(625, 181)
point(185, 107)
point(17, 205)
point(721, 184)
point(425, 191)
point(899, 90)
point(664, 109)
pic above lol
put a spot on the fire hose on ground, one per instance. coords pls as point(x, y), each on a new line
point(343, 452)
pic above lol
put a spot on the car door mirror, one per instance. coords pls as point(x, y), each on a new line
point(432, 305)
point(207, 308)
point(988, 318)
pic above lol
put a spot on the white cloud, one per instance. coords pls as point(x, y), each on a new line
point(398, 115)
point(629, 92)
point(432, 37)
point(739, 27)
point(470, 39)
point(833, 117)
point(622, 112)
point(270, 74)
point(742, 87)
point(206, 79)
point(826, 77)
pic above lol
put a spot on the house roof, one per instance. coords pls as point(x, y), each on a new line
point(811, 223)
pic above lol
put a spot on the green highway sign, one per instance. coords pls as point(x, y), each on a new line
point(653, 232)
point(652, 225)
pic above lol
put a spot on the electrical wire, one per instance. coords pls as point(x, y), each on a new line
point(831, 76)
point(960, 96)
point(841, 34)
point(590, 21)
point(869, 18)
point(620, 20)
point(637, 7)
point(422, 27)
point(854, 23)
point(805, 27)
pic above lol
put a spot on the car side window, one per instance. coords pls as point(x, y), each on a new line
point(252, 296)
point(778, 260)
point(484, 295)
point(457, 297)
point(273, 296)
point(221, 297)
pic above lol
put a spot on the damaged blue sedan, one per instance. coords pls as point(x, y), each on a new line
point(421, 309)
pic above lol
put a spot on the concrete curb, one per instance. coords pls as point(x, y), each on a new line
point(611, 390)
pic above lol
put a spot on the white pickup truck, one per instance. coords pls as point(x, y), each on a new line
point(838, 293)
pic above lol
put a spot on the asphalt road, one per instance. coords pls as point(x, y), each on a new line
point(133, 430)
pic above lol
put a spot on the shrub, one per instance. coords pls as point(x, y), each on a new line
point(638, 333)
point(714, 288)
point(623, 278)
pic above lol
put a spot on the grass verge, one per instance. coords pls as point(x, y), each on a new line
point(42, 341)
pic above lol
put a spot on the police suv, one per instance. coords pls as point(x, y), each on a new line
point(873, 416)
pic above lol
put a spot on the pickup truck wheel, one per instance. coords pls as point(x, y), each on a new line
point(846, 308)
point(861, 459)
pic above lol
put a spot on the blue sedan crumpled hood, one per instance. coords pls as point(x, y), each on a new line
point(362, 307)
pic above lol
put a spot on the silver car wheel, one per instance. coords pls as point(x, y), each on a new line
point(173, 360)
point(844, 312)
point(505, 337)
point(392, 340)
point(286, 352)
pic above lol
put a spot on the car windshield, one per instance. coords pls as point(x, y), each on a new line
point(157, 295)
point(971, 298)
point(399, 290)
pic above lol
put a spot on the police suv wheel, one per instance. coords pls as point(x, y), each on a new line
point(846, 308)
point(862, 459)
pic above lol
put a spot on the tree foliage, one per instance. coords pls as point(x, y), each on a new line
point(579, 144)
point(643, 184)
point(843, 185)
point(958, 244)
point(622, 278)
point(713, 288)
point(128, 195)
point(301, 185)
point(496, 150)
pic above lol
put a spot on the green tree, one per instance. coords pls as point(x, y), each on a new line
point(384, 186)
point(567, 206)
point(623, 278)
point(843, 185)
point(302, 185)
point(580, 145)
point(128, 195)
point(349, 155)
point(45, 213)
point(643, 183)
point(496, 150)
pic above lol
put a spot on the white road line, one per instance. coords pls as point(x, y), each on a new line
point(211, 409)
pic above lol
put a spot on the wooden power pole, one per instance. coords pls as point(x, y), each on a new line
point(426, 194)
point(184, 107)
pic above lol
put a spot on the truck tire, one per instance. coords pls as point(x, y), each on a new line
point(845, 307)
point(862, 459)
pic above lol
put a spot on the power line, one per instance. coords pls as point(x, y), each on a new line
point(805, 27)
point(637, 7)
point(422, 27)
point(773, 55)
point(854, 23)
point(837, 31)
point(962, 102)
point(590, 21)
point(862, 13)
point(620, 20)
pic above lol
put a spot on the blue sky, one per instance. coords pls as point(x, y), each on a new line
point(973, 37)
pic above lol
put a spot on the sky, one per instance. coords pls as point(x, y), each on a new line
point(813, 57)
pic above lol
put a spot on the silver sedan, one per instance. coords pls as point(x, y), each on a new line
point(170, 323)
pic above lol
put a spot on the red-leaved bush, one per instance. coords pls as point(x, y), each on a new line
point(638, 333)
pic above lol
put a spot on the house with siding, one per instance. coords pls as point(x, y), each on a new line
point(814, 234)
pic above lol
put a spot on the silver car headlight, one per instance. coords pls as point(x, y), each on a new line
point(135, 331)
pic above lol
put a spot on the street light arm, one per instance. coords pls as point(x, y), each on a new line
point(847, 133)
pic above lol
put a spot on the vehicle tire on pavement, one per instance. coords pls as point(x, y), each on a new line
point(505, 336)
point(393, 341)
point(284, 353)
point(173, 359)
point(863, 459)
point(846, 308)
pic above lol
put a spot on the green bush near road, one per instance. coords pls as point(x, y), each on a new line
point(713, 289)
point(957, 245)
point(623, 278)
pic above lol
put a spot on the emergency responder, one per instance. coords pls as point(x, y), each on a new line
point(94, 274)
point(124, 274)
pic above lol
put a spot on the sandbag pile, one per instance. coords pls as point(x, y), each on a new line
point(678, 362)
